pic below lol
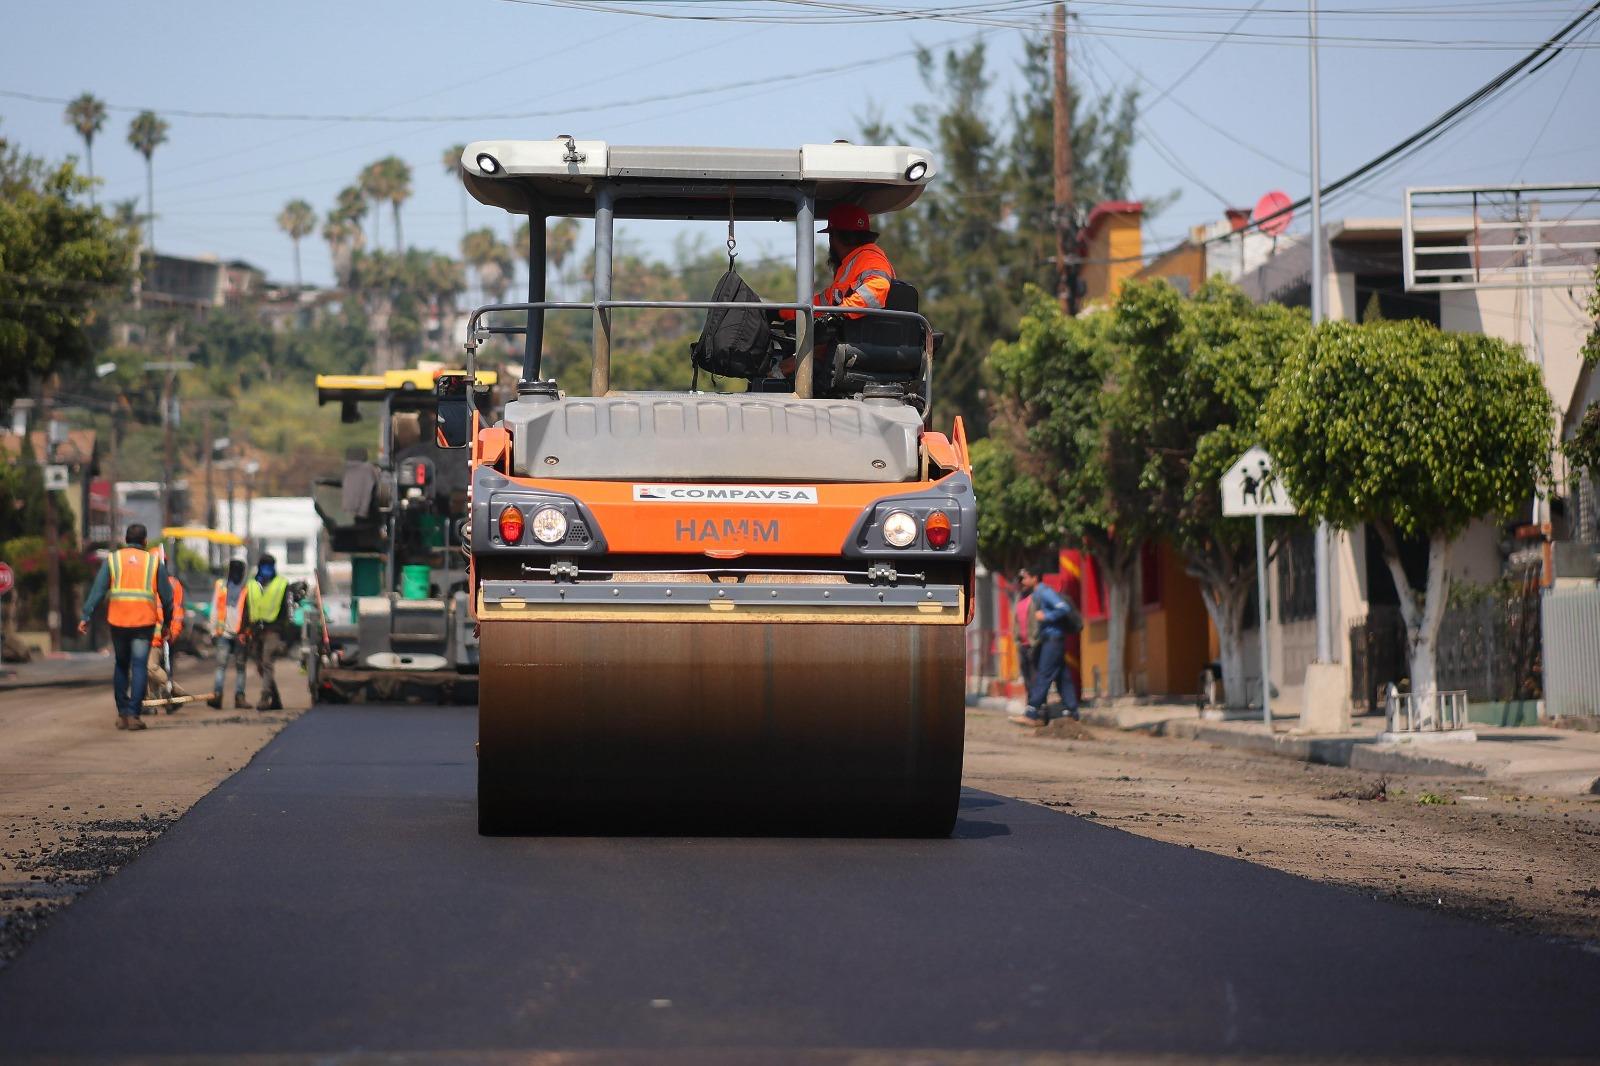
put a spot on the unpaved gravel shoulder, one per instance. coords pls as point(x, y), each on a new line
point(79, 799)
point(1475, 848)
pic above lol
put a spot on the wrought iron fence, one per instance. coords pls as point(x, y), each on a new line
point(1490, 647)
point(1377, 656)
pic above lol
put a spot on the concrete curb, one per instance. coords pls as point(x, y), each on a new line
point(1357, 754)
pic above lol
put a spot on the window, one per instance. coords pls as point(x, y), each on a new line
point(294, 552)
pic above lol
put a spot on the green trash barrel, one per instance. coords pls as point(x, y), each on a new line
point(414, 582)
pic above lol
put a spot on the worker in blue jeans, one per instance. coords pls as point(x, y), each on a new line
point(137, 592)
point(1057, 620)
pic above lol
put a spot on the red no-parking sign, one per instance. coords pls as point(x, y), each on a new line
point(7, 579)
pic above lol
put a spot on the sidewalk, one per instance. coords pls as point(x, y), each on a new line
point(66, 668)
point(1537, 758)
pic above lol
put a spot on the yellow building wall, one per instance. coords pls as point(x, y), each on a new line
point(1112, 255)
point(1168, 644)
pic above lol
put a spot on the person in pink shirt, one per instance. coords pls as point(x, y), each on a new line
point(1021, 620)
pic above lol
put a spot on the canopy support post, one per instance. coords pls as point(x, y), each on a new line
point(533, 340)
point(604, 217)
point(805, 258)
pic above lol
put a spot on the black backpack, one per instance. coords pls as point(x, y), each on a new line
point(735, 343)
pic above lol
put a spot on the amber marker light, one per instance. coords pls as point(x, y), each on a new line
point(511, 525)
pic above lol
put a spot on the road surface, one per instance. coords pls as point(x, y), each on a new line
point(334, 897)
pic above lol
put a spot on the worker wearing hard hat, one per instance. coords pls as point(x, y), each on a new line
point(227, 619)
point(266, 619)
point(861, 270)
point(133, 582)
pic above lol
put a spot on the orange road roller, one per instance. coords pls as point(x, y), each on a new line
point(737, 610)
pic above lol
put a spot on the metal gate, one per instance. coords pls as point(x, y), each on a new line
point(1572, 652)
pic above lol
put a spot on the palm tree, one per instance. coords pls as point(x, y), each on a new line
point(397, 190)
point(452, 169)
point(493, 261)
point(87, 115)
point(342, 231)
point(147, 132)
point(374, 185)
point(297, 219)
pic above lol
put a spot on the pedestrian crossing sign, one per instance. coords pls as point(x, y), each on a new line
point(1251, 487)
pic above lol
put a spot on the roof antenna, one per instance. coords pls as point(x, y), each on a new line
point(572, 154)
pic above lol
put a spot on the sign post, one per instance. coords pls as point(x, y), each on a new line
point(1251, 488)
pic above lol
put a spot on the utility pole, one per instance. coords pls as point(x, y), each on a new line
point(1324, 535)
point(168, 446)
point(52, 544)
point(1065, 222)
point(211, 495)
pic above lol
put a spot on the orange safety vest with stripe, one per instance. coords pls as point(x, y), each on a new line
point(131, 601)
point(225, 620)
point(178, 609)
point(862, 280)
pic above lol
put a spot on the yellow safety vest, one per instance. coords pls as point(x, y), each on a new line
point(266, 604)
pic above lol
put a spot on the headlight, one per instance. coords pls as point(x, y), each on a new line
point(900, 529)
point(549, 525)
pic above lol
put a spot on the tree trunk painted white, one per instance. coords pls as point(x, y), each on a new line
point(1225, 603)
point(1119, 589)
point(1423, 615)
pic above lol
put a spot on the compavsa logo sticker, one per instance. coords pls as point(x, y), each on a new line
point(724, 494)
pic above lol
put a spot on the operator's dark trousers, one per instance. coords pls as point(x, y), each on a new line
point(131, 646)
point(1050, 668)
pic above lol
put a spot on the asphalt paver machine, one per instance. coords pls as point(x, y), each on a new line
point(405, 630)
point(716, 612)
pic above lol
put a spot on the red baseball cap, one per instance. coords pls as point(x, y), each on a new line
point(848, 218)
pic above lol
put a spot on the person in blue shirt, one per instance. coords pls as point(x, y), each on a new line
point(1058, 619)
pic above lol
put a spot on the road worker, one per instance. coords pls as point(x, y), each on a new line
point(157, 674)
point(861, 269)
point(133, 581)
point(861, 273)
point(227, 619)
point(266, 618)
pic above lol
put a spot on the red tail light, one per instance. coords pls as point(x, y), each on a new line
point(937, 529)
point(511, 525)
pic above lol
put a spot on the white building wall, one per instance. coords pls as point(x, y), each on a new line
point(286, 527)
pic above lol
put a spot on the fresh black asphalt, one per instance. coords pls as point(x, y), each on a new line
point(335, 896)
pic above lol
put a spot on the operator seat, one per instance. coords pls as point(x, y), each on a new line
point(878, 350)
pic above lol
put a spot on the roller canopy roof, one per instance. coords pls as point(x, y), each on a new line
point(560, 177)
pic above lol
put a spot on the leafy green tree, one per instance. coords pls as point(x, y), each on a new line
point(87, 115)
point(1052, 402)
point(147, 132)
point(59, 260)
point(298, 220)
point(1415, 432)
point(1583, 448)
point(1188, 391)
point(984, 228)
point(1019, 516)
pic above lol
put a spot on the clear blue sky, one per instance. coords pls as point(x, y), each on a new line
point(220, 182)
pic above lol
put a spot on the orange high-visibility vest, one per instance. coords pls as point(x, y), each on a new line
point(177, 609)
point(224, 619)
point(132, 601)
point(862, 280)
